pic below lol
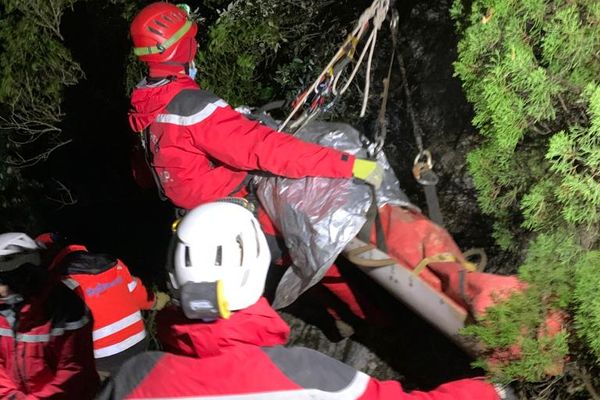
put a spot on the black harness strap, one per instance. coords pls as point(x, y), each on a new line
point(373, 217)
point(149, 157)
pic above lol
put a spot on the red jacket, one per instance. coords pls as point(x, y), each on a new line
point(46, 348)
point(114, 297)
point(242, 358)
point(257, 325)
point(202, 148)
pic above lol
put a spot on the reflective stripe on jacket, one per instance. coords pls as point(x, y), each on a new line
point(241, 358)
point(113, 296)
point(268, 373)
point(202, 148)
point(46, 348)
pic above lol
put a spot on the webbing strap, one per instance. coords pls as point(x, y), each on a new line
point(443, 257)
point(161, 47)
point(373, 217)
point(433, 204)
point(149, 157)
point(354, 257)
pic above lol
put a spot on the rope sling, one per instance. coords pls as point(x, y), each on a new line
point(328, 80)
point(326, 86)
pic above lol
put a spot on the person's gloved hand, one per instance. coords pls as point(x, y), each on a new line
point(368, 171)
point(161, 300)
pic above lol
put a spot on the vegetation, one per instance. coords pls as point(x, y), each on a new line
point(35, 67)
point(260, 50)
point(531, 69)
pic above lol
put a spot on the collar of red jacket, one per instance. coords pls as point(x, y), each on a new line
point(258, 325)
point(63, 253)
point(147, 100)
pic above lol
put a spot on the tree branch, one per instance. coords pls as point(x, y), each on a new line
point(28, 162)
point(65, 196)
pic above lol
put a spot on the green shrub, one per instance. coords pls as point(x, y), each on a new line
point(235, 49)
point(587, 316)
point(529, 67)
point(260, 50)
point(531, 70)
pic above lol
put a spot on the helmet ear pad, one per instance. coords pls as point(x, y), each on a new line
point(203, 300)
point(184, 51)
point(183, 55)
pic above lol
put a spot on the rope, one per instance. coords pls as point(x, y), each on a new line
point(417, 131)
point(444, 258)
point(331, 74)
point(478, 252)
point(381, 129)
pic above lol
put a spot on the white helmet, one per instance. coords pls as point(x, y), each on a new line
point(17, 249)
point(222, 242)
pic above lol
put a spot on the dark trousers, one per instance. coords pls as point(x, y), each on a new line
point(110, 365)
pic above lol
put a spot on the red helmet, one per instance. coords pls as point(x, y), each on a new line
point(159, 29)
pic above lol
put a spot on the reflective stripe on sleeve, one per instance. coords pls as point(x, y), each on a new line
point(70, 283)
point(70, 326)
point(45, 337)
point(132, 285)
point(353, 391)
point(117, 326)
point(119, 347)
point(191, 119)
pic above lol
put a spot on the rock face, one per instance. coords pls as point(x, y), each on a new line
point(427, 43)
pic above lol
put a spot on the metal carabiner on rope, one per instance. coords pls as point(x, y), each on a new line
point(423, 169)
point(423, 173)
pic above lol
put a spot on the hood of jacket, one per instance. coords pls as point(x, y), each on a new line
point(76, 259)
point(83, 262)
point(36, 310)
point(150, 99)
point(258, 325)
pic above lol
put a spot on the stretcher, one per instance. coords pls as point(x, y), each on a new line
point(400, 281)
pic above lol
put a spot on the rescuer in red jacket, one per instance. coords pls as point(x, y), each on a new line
point(229, 342)
point(199, 147)
point(45, 329)
point(115, 299)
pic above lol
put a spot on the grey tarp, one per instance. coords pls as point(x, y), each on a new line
point(317, 217)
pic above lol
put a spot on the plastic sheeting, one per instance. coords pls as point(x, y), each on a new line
point(318, 217)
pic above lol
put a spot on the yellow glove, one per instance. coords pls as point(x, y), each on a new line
point(161, 300)
point(368, 171)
